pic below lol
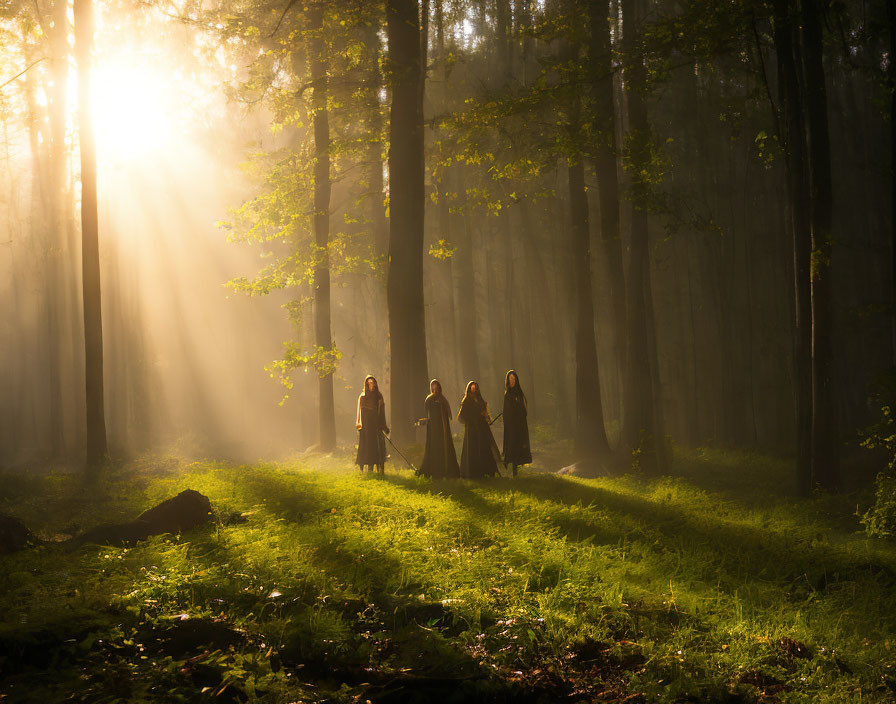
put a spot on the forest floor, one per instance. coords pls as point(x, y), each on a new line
point(317, 584)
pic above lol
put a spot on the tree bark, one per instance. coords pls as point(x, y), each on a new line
point(90, 255)
point(466, 300)
point(591, 435)
point(375, 145)
point(322, 324)
point(792, 127)
point(825, 436)
point(639, 429)
point(604, 154)
point(406, 198)
point(891, 17)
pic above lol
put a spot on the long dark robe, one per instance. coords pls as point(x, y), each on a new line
point(372, 419)
point(439, 457)
point(516, 429)
point(479, 457)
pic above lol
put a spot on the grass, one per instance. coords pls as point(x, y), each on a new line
point(712, 586)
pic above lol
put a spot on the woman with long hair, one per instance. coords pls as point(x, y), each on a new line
point(371, 424)
point(439, 457)
point(516, 427)
point(479, 457)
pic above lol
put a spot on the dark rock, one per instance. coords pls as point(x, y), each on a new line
point(14, 536)
point(188, 510)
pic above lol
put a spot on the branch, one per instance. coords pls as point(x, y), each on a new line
point(22, 73)
point(280, 21)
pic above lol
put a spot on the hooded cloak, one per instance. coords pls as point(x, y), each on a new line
point(480, 456)
point(371, 424)
point(516, 425)
point(439, 456)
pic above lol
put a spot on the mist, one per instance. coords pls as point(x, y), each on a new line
point(205, 131)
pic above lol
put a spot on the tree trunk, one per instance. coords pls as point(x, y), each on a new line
point(323, 336)
point(793, 137)
point(604, 134)
point(467, 339)
point(639, 429)
point(57, 290)
point(825, 436)
point(406, 198)
point(90, 254)
point(502, 38)
point(591, 435)
point(891, 12)
point(446, 270)
point(375, 145)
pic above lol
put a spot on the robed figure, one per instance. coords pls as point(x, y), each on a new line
point(371, 426)
point(479, 457)
point(439, 457)
point(516, 425)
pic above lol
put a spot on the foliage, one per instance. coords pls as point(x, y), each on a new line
point(323, 361)
point(317, 584)
point(880, 519)
point(442, 250)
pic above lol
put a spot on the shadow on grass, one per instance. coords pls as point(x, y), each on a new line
point(664, 541)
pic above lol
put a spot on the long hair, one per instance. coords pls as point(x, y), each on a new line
point(477, 397)
point(376, 387)
point(469, 394)
point(508, 389)
point(439, 396)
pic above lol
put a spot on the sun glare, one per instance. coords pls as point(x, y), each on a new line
point(134, 108)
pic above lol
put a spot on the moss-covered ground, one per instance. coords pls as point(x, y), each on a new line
point(315, 583)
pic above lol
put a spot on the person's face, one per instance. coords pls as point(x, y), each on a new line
point(512, 380)
point(435, 387)
point(474, 388)
point(370, 384)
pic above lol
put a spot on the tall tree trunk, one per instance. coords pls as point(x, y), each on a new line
point(55, 27)
point(792, 129)
point(467, 340)
point(90, 254)
point(38, 373)
point(639, 430)
point(323, 336)
point(375, 144)
point(591, 435)
point(825, 436)
point(502, 32)
point(406, 198)
point(522, 16)
point(446, 269)
point(603, 118)
point(891, 12)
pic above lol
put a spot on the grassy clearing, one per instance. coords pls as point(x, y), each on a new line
point(711, 586)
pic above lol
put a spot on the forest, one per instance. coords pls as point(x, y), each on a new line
point(448, 351)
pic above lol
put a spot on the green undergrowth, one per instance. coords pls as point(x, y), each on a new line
point(315, 583)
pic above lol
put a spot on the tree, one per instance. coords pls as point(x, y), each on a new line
point(792, 135)
point(404, 291)
point(322, 329)
point(90, 253)
point(641, 429)
point(604, 153)
point(825, 437)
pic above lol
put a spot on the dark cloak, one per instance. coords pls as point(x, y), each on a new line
point(516, 426)
point(439, 456)
point(372, 419)
point(480, 456)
